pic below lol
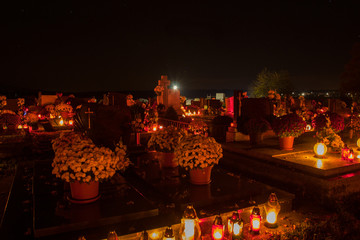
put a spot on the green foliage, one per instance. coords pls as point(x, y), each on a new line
point(270, 80)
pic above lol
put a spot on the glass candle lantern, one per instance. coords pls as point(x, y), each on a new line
point(237, 229)
point(345, 153)
point(217, 229)
point(255, 220)
point(320, 150)
point(189, 227)
point(351, 156)
point(234, 217)
point(169, 234)
point(144, 236)
point(155, 235)
point(112, 236)
point(272, 209)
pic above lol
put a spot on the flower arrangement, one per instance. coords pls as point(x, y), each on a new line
point(31, 118)
point(290, 125)
point(198, 127)
point(257, 125)
point(3, 101)
point(336, 121)
point(77, 158)
point(197, 151)
point(166, 140)
point(328, 136)
point(137, 125)
point(354, 123)
point(158, 90)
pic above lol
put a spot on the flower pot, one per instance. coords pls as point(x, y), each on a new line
point(286, 143)
point(84, 192)
point(166, 160)
point(200, 176)
point(255, 138)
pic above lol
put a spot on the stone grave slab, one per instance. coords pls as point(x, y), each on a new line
point(323, 179)
point(173, 186)
point(54, 214)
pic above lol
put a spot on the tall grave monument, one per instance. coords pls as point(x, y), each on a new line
point(166, 95)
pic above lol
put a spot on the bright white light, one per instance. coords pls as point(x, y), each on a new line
point(175, 87)
point(303, 94)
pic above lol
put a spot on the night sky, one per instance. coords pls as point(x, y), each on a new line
point(127, 45)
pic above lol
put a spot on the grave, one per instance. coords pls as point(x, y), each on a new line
point(171, 187)
point(54, 214)
point(298, 170)
point(168, 96)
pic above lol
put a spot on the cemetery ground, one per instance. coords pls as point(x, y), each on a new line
point(245, 176)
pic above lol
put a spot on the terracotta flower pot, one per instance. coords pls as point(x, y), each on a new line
point(166, 160)
point(84, 192)
point(200, 176)
point(286, 143)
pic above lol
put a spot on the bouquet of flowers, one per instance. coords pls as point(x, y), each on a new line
point(137, 125)
point(31, 118)
point(354, 123)
point(336, 121)
point(198, 127)
point(290, 125)
point(166, 140)
point(77, 158)
point(3, 101)
point(328, 136)
point(158, 90)
point(198, 151)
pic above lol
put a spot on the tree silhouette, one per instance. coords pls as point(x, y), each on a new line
point(270, 80)
point(350, 78)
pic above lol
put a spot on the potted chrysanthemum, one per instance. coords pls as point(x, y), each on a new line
point(287, 128)
point(81, 163)
point(255, 128)
point(198, 154)
point(163, 142)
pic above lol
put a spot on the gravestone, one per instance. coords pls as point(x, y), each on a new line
point(169, 97)
point(229, 105)
point(105, 125)
point(254, 108)
point(172, 186)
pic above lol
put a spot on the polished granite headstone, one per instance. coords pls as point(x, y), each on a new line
point(325, 179)
point(54, 213)
point(174, 187)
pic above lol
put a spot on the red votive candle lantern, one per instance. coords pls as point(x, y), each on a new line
point(345, 153)
point(217, 230)
point(351, 156)
point(169, 234)
point(255, 220)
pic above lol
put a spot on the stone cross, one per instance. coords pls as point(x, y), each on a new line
point(89, 116)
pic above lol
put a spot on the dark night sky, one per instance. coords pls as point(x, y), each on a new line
point(127, 45)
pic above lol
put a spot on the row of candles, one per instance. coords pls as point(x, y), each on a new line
point(347, 154)
point(233, 228)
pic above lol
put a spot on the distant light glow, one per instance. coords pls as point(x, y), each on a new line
point(175, 87)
